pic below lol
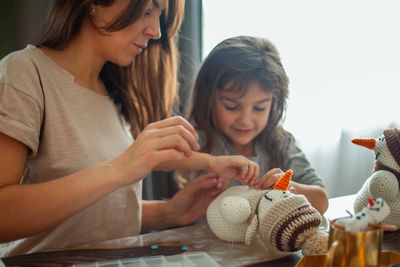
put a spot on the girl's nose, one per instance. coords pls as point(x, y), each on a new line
point(244, 117)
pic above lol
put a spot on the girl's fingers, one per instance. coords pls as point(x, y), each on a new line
point(254, 175)
point(250, 173)
point(274, 171)
point(268, 180)
point(260, 184)
point(244, 169)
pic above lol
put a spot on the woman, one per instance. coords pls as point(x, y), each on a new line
point(70, 173)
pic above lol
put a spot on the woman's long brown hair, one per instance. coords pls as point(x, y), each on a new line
point(144, 90)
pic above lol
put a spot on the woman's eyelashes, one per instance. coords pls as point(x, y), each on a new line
point(147, 12)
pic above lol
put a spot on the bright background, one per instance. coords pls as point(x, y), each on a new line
point(343, 62)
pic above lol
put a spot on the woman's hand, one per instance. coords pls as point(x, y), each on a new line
point(236, 168)
point(191, 202)
point(170, 139)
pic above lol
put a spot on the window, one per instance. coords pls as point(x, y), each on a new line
point(342, 58)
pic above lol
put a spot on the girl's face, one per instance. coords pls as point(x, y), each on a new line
point(242, 117)
point(122, 46)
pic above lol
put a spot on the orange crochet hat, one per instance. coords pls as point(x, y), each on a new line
point(284, 182)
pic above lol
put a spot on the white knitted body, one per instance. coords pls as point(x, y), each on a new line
point(284, 221)
point(374, 213)
point(385, 185)
point(382, 183)
point(225, 228)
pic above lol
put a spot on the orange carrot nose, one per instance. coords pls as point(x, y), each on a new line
point(365, 142)
point(284, 182)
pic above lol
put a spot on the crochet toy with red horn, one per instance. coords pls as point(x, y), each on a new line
point(384, 181)
point(284, 221)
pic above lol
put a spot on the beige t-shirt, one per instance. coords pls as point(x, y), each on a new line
point(67, 128)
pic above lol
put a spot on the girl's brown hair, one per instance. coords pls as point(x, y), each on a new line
point(234, 64)
point(144, 90)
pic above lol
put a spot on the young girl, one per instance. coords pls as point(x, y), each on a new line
point(70, 173)
point(239, 98)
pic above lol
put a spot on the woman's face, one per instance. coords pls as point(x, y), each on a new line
point(242, 117)
point(122, 46)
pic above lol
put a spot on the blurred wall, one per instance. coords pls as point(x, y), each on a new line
point(21, 23)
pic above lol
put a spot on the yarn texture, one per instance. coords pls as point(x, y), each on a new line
point(284, 221)
point(384, 181)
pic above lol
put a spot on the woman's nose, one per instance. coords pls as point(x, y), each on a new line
point(154, 30)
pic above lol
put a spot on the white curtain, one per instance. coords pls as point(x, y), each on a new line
point(343, 62)
point(344, 165)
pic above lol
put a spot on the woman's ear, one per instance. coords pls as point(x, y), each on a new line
point(92, 11)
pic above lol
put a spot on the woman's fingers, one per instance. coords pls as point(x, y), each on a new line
point(174, 121)
point(202, 182)
point(173, 142)
point(173, 127)
point(178, 130)
point(168, 154)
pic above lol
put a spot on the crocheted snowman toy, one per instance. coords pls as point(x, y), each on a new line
point(284, 221)
point(375, 212)
point(384, 181)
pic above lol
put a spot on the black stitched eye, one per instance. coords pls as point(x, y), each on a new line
point(267, 198)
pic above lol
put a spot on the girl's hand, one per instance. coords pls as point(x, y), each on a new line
point(170, 139)
point(269, 179)
point(191, 202)
point(235, 167)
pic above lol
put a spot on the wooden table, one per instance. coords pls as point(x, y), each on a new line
point(200, 238)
